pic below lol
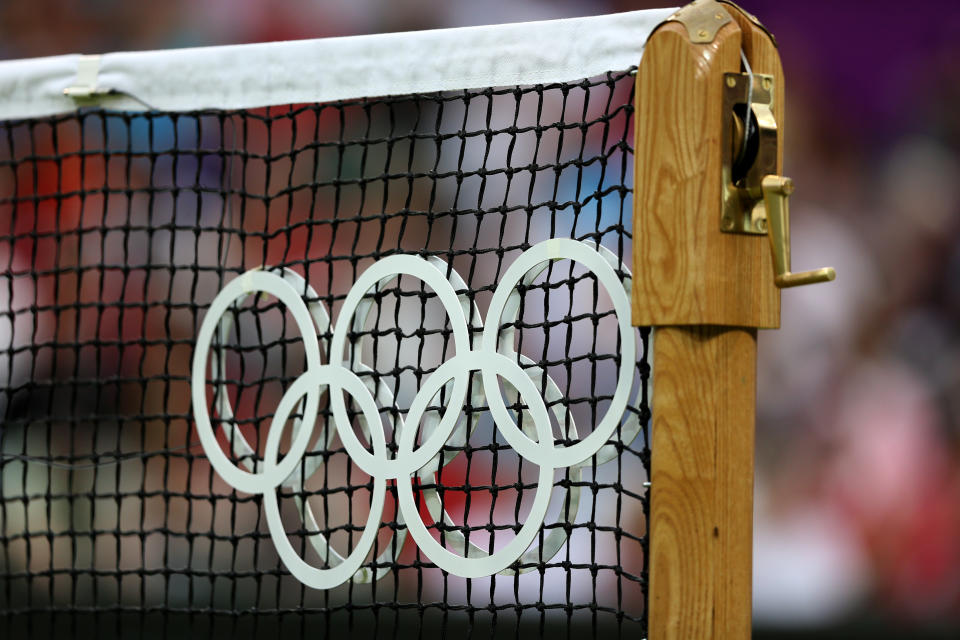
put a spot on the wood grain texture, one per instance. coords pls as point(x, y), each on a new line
point(686, 271)
point(701, 513)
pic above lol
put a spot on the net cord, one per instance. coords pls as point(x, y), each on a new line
point(331, 69)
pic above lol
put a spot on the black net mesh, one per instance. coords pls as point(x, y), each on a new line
point(117, 230)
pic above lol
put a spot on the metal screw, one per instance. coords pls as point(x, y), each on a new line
point(767, 83)
point(762, 225)
point(702, 33)
point(718, 16)
point(731, 81)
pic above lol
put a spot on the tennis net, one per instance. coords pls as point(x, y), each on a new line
point(422, 295)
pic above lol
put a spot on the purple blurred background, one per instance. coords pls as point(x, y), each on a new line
point(858, 465)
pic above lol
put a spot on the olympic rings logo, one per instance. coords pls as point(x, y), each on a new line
point(494, 360)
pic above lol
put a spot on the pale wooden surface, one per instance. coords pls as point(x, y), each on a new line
point(686, 272)
point(701, 513)
point(706, 292)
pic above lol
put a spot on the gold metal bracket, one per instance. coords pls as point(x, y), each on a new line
point(755, 198)
point(776, 192)
point(748, 155)
point(702, 18)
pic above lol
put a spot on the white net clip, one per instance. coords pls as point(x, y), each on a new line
point(85, 85)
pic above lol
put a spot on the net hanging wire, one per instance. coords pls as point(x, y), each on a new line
point(488, 227)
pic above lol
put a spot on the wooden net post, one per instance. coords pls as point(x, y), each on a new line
point(706, 292)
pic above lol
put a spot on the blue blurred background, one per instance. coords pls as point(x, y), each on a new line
point(858, 466)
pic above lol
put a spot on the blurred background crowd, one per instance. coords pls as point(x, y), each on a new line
point(858, 461)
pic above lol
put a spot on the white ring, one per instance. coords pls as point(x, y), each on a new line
point(555, 539)
point(475, 567)
point(337, 379)
point(388, 268)
point(564, 456)
point(241, 448)
point(231, 474)
point(319, 542)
